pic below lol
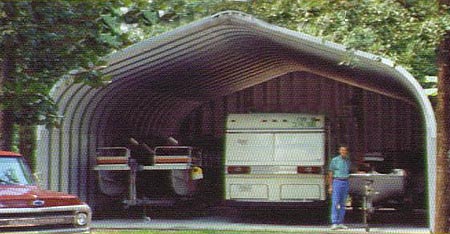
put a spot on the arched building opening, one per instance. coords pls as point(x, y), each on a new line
point(184, 82)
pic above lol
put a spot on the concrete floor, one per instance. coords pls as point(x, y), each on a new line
point(268, 220)
point(218, 224)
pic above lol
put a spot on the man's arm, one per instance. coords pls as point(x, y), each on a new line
point(331, 167)
point(330, 182)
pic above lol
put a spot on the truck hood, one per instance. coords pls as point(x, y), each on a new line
point(34, 197)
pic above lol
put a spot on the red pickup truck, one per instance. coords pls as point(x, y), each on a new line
point(25, 207)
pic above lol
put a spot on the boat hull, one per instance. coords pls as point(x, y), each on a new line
point(386, 186)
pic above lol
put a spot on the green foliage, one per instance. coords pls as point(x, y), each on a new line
point(15, 139)
point(409, 35)
point(407, 32)
point(43, 40)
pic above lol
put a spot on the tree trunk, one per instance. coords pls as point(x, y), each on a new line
point(27, 144)
point(6, 129)
point(443, 138)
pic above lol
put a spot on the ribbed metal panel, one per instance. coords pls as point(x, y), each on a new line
point(386, 124)
point(185, 81)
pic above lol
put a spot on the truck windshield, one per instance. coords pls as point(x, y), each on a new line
point(13, 171)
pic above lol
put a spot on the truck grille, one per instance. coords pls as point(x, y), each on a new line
point(41, 214)
point(18, 220)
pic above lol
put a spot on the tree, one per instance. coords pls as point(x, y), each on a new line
point(7, 69)
point(40, 42)
point(443, 135)
point(443, 139)
point(43, 41)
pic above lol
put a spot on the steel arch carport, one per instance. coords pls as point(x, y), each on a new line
point(177, 71)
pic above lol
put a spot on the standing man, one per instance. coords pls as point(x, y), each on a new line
point(338, 173)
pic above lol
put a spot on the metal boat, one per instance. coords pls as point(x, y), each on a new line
point(386, 186)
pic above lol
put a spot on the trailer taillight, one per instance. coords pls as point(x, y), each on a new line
point(309, 170)
point(238, 170)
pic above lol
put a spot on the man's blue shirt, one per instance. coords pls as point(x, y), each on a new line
point(340, 167)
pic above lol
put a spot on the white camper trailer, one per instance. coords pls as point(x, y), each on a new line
point(278, 158)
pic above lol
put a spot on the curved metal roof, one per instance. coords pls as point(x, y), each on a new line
point(157, 82)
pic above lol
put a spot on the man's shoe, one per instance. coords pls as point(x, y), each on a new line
point(342, 226)
point(334, 227)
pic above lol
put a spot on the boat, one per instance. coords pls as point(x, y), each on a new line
point(385, 186)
